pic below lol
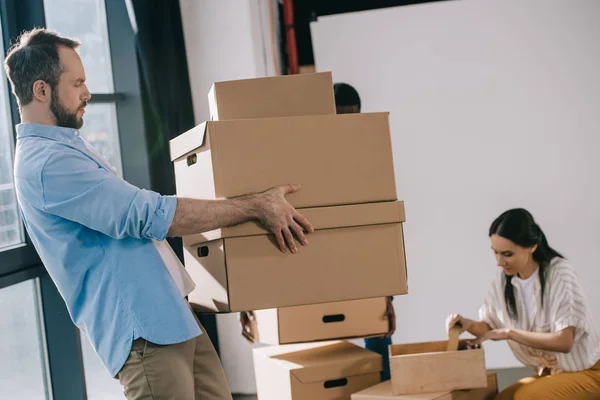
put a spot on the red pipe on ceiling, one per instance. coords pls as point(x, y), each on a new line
point(290, 36)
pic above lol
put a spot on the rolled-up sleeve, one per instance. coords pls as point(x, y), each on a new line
point(77, 189)
point(489, 310)
point(568, 307)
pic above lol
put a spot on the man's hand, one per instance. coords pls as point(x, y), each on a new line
point(278, 216)
point(494, 334)
point(390, 315)
point(247, 320)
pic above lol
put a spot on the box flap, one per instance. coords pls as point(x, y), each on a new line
point(354, 215)
point(319, 362)
point(383, 391)
point(188, 141)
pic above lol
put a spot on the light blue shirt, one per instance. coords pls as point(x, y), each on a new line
point(93, 232)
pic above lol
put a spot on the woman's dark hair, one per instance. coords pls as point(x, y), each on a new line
point(345, 95)
point(518, 226)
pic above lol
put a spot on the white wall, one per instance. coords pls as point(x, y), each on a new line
point(226, 40)
point(494, 104)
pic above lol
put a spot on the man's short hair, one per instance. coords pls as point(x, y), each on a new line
point(34, 56)
point(345, 95)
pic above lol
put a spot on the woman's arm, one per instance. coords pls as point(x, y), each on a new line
point(560, 342)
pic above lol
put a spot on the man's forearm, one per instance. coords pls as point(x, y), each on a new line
point(197, 216)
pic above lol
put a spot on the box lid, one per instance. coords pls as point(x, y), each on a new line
point(187, 141)
point(320, 217)
point(319, 362)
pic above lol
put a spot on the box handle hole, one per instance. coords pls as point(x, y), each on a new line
point(334, 318)
point(203, 251)
point(192, 159)
point(336, 383)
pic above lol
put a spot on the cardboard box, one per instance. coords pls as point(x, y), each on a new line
point(383, 391)
point(320, 371)
point(356, 252)
point(338, 159)
point(428, 367)
point(329, 321)
point(278, 96)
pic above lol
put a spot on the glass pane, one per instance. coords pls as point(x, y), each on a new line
point(101, 130)
point(22, 365)
point(86, 21)
point(11, 230)
point(99, 384)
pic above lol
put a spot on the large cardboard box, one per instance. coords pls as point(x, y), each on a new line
point(383, 391)
point(329, 321)
point(278, 96)
point(428, 367)
point(356, 252)
point(318, 371)
point(338, 159)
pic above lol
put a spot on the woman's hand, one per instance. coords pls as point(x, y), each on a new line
point(456, 320)
point(494, 334)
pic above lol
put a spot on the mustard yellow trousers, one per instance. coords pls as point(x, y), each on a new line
point(582, 385)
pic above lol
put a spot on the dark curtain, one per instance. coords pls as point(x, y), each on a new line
point(166, 96)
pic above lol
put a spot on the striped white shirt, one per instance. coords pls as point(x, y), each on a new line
point(564, 305)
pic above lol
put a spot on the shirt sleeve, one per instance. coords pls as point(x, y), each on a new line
point(492, 304)
point(568, 306)
point(78, 189)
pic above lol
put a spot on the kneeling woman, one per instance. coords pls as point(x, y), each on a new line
point(536, 304)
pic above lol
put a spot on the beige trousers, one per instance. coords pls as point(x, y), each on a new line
point(184, 371)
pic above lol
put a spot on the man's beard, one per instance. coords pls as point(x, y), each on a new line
point(65, 118)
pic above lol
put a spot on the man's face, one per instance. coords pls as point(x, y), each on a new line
point(71, 95)
point(347, 109)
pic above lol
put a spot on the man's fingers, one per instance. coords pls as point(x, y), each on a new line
point(280, 241)
point(291, 188)
point(303, 221)
point(291, 243)
point(299, 233)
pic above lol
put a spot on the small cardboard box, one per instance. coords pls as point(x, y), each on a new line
point(383, 391)
point(318, 371)
point(278, 96)
point(329, 321)
point(338, 159)
point(356, 252)
point(428, 367)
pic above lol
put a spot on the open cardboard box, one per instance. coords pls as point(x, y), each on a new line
point(329, 321)
point(356, 252)
point(428, 367)
point(317, 371)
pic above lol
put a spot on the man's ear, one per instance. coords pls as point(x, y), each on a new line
point(41, 91)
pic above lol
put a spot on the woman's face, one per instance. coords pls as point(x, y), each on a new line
point(511, 257)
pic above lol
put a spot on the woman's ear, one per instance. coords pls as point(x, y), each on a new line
point(533, 248)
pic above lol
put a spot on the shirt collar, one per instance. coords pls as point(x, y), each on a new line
point(46, 131)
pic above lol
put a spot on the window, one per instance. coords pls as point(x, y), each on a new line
point(22, 369)
point(86, 21)
point(11, 228)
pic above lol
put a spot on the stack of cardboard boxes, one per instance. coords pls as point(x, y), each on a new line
point(274, 131)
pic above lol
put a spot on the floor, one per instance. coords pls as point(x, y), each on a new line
point(505, 378)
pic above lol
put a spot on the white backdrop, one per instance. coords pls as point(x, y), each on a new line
point(494, 105)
